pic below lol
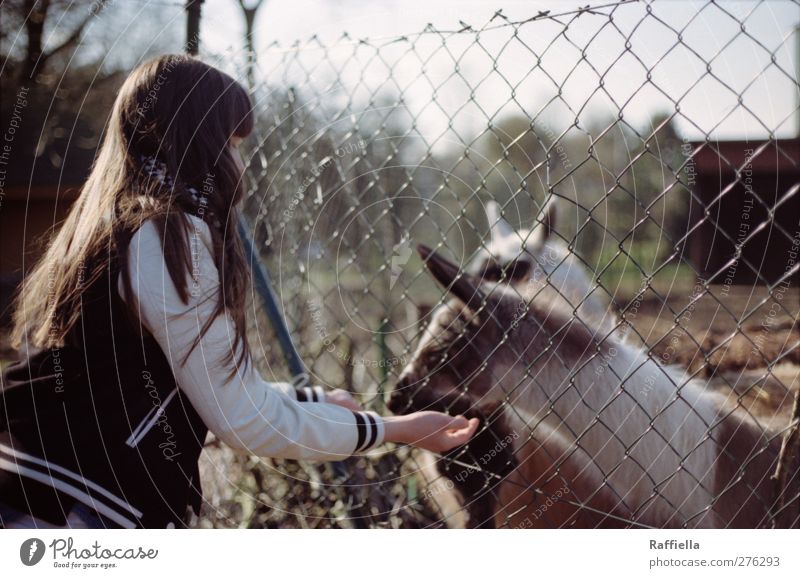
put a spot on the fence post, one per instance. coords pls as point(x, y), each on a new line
point(193, 26)
point(263, 285)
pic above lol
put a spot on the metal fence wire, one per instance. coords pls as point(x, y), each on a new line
point(627, 275)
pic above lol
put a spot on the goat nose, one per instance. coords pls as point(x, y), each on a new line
point(398, 400)
point(395, 403)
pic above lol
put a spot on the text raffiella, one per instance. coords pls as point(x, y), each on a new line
point(674, 545)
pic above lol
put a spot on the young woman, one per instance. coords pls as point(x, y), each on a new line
point(131, 329)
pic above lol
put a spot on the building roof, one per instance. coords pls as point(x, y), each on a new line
point(728, 156)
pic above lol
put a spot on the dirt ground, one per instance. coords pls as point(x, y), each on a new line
point(757, 357)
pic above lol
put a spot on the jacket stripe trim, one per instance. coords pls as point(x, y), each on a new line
point(315, 393)
point(139, 427)
point(70, 490)
point(373, 431)
point(361, 428)
point(51, 467)
point(367, 429)
point(135, 438)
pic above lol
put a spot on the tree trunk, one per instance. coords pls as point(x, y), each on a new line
point(34, 27)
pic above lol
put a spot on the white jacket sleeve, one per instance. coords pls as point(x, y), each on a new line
point(245, 411)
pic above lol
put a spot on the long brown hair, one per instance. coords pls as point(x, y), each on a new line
point(182, 112)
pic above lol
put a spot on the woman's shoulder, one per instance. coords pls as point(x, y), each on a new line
point(146, 259)
point(148, 238)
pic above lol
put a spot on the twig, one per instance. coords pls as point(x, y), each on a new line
point(790, 452)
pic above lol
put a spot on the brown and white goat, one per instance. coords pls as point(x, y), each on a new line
point(599, 430)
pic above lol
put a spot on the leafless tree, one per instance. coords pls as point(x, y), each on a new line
point(31, 16)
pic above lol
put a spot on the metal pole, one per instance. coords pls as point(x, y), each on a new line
point(263, 285)
point(193, 26)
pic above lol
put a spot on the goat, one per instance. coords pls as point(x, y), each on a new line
point(631, 442)
point(513, 257)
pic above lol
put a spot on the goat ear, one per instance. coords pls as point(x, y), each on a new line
point(449, 276)
point(499, 227)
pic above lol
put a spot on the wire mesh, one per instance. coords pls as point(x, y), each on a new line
point(669, 251)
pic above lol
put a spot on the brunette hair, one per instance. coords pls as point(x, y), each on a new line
point(182, 112)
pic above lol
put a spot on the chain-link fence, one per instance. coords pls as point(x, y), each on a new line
point(633, 352)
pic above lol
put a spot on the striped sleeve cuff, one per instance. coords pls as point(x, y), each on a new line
point(369, 429)
point(311, 393)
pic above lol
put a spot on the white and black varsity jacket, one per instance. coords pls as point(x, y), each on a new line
point(116, 420)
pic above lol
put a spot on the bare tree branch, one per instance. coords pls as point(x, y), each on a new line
point(35, 14)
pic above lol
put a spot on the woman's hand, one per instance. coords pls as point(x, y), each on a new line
point(342, 398)
point(430, 430)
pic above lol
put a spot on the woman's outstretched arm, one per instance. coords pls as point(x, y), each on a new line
point(245, 411)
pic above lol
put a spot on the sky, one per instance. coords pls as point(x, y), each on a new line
point(572, 62)
point(770, 96)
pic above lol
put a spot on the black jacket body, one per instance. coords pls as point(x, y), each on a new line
point(102, 421)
